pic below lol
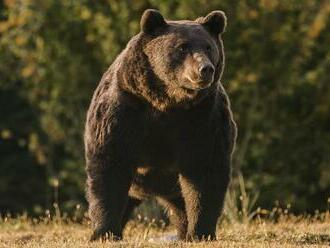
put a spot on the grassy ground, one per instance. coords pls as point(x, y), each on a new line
point(287, 231)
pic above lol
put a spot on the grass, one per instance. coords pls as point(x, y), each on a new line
point(242, 225)
point(284, 231)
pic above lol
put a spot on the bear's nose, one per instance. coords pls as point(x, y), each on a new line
point(206, 71)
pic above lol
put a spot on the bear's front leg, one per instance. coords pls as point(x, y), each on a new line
point(204, 192)
point(107, 192)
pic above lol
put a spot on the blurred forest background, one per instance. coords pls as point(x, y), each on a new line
point(53, 54)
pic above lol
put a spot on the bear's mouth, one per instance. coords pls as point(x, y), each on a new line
point(189, 90)
point(193, 89)
point(196, 85)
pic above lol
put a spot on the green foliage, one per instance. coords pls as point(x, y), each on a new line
point(53, 53)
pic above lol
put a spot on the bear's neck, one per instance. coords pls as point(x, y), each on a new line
point(135, 76)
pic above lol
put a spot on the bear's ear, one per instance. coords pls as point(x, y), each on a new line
point(151, 21)
point(215, 22)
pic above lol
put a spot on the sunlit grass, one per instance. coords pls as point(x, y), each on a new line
point(242, 224)
point(287, 231)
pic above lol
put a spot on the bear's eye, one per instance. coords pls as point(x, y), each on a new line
point(208, 48)
point(183, 48)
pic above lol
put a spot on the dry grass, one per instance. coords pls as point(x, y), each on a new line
point(288, 231)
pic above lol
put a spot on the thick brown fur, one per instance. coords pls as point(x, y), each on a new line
point(160, 125)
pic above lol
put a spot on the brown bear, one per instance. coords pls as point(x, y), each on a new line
point(160, 125)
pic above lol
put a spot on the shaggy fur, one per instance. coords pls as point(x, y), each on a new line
point(160, 124)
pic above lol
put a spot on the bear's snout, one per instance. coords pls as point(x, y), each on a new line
point(199, 73)
point(204, 70)
point(206, 73)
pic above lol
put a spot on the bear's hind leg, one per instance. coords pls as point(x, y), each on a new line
point(131, 205)
point(164, 185)
point(177, 214)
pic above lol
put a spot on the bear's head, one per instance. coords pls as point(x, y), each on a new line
point(185, 54)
